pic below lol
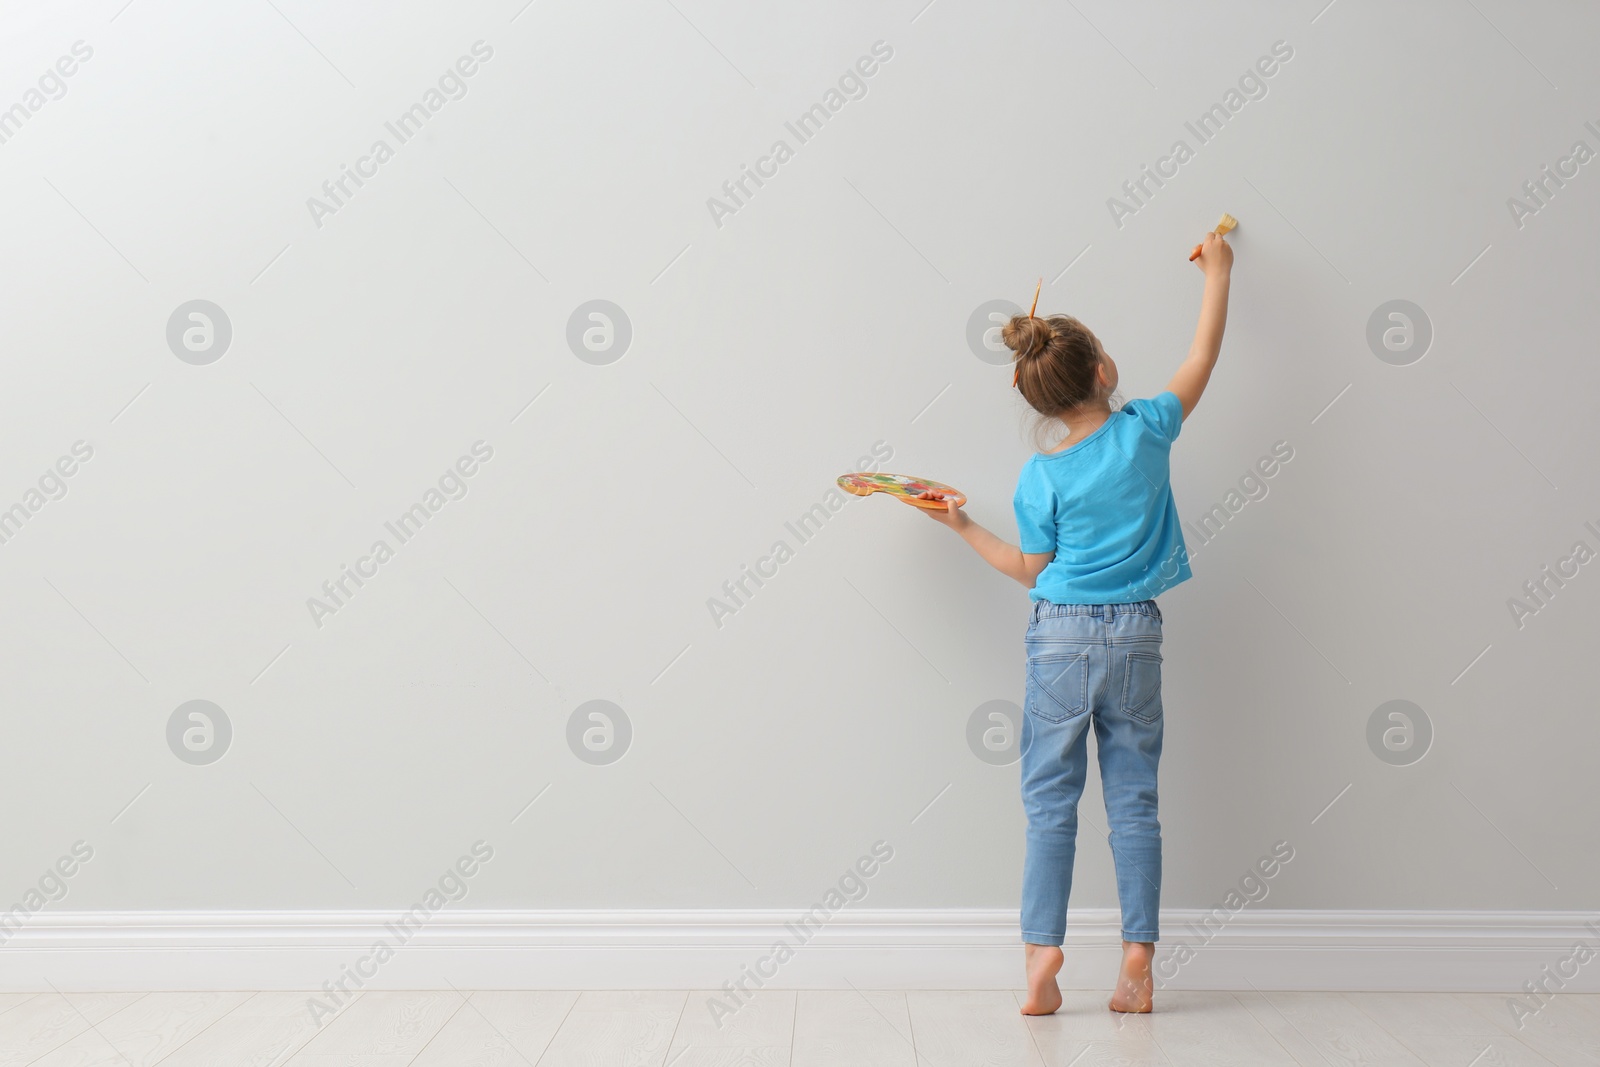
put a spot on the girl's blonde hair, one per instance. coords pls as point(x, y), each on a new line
point(1057, 360)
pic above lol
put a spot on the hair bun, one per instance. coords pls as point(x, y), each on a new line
point(1027, 335)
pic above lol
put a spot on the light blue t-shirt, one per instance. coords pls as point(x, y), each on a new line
point(1105, 506)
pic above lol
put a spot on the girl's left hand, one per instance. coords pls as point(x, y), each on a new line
point(952, 515)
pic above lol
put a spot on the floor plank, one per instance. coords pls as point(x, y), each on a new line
point(1084, 1032)
point(498, 1029)
point(978, 1029)
point(1423, 1013)
point(1212, 1029)
point(1341, 1032)
point(1561, 1031)
point(1492, 1009)
point(1284, 1032)
point(11, 1000)
point(631, 1000)
point(381, 1029)
point(1581, 1008)
point(701, 1056)
point(262, 1032)
point(852, 1028)
point(1492, 1050)
point(1588, 1001)
point(1561, 1041)
point(145, 1032)
point(762, 1019)
point(776, 1028)
point(606, 1029)
point(50, 1020)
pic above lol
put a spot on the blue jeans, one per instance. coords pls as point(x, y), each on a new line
point(1097, 663)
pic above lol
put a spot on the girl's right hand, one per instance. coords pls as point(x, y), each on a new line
point(950, 515)
point(1216, 255)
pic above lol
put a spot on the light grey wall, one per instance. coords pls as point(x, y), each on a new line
point(373, 346)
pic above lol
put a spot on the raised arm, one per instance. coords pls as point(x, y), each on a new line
point(1216, 259)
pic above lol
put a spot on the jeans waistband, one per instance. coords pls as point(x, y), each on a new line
point(1044, 609)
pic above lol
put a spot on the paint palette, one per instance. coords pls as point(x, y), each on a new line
point(903, 487)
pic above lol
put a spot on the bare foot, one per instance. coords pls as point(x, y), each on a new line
point(1044, 963)
point(1135, 989)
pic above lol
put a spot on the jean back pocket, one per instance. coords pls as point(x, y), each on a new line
point(1058, 685)
point(1141, 686)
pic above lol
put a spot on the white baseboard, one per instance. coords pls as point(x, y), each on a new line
point(1492, 951)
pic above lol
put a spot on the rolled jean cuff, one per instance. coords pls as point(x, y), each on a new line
point(1141, 936)
point(1043, 939)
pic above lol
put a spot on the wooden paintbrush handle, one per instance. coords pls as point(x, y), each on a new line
point(1225, 224)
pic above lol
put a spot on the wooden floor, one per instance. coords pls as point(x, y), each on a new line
point(844, 1028)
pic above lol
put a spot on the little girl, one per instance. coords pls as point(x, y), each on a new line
point(1099, 540)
